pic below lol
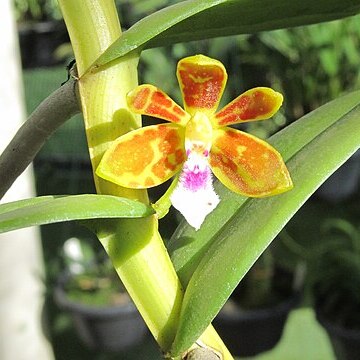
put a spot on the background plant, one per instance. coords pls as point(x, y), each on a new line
point(36, 10)
point(336, 277)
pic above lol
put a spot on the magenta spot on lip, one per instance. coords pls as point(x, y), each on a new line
point(195, 180)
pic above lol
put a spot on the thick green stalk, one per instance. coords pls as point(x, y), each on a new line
point(93, 26)
point(134, 245)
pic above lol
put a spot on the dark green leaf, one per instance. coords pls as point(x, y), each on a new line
point(51, 209)
point(188, 246)
point(314, 147)
point(201, 19)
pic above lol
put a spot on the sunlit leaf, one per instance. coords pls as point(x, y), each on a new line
point(214, 260)
point(52, 209)
point(196, 19)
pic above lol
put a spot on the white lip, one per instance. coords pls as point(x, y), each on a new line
point(194, 195)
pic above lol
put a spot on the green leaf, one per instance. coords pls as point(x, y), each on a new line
point(196, 20)
point(51, 209)
point(216, 258)
point(188, 246)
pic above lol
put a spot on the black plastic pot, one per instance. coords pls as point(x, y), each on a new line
point(250, 332)
point(343, 183)
point(38, 42)
point(345, 342)
point(113, 328)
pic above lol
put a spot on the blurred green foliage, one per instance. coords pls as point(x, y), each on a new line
point(36, 10)
point(130, 10)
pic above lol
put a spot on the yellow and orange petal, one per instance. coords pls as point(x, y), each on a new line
point(248, 165)
point(149, 100)
point(202, 81)
point(255, 104)
point(145, 157)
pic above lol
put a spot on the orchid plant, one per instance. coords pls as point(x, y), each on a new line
point(179, 287)
point(197, 141)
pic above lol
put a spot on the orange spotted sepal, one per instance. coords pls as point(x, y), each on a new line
point(248, 165)
point(202, 81)
point(144, 157)
point(260, 103)
point(149, 100)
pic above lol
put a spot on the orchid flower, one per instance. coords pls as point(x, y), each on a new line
point(197, 143)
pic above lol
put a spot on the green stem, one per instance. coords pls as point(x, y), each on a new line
point(162, 206)
point(134, 245)
point(93, 26)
